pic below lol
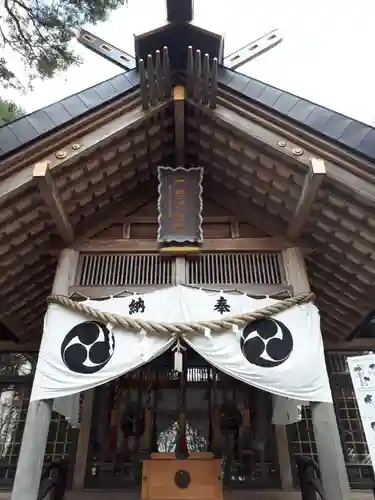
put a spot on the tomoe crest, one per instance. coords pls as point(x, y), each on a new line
point(88, 347)
point(266, 343)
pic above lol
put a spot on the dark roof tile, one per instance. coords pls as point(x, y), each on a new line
point(285, 103)
point(269, 96)
point(367, 146)
point(238, 82)
point(24, 130)
point(106, 91)
point(58, 113)
point(121, 83)
point(318, 118)
point(253, 89)
point(224, 75)
point(74, 105)
point(90, 97)
point(336, 125)
point(133, 77)
point(8, 141)
point(47, 119)
point(41, 121)
point(354, 134)
point(301, 110)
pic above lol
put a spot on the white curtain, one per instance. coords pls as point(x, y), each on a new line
point(283, 355)
point(78, 353)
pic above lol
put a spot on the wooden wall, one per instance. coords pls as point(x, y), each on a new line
point(142, 224)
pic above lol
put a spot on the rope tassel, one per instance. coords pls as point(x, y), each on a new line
point(178, 357)
point(201, 327)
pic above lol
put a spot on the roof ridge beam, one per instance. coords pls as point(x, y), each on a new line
point(49, 193)
point(179, 123)
point(311, 185)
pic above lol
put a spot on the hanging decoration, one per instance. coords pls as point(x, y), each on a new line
point(178, 349)
point(262, 342)
point(362, 373)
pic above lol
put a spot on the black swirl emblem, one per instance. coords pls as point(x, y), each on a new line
point(88, 347)
point(266, 343)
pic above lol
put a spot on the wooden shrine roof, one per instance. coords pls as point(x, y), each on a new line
point(285, 165)
point(336, 127)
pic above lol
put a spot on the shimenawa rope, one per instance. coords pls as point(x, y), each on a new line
point(217, 325)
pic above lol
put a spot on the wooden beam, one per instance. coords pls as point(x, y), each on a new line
point(239, 206)
point(50, 195)
point(83, 441)
point(18, 347)
point(128, 116)
point(365, 344)
point(96, 292)
point(266, 132)
point(313, 181)
point(133, 201)
point(179, 121)
point(209, 245)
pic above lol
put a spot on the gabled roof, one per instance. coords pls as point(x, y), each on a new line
point(349, 133)
point(36, 125)
point(78, 161)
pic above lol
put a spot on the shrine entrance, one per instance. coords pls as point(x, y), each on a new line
point(157, 410)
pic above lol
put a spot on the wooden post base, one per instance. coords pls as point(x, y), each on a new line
point(166, 478)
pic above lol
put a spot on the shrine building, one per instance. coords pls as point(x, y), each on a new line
point(178, 182)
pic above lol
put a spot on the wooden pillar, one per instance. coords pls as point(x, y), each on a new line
point(283, 454)
point(327, 437)
point(83, 441)
point(34, 439)
point(180, 270)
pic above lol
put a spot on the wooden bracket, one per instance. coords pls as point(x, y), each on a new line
point(179, 120)
point(310, 189)
point(179, 251)
point(49, 193)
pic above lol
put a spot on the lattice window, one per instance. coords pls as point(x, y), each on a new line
point(122, 270)
point(301, 435)
point(15, 387)
point(242, 268)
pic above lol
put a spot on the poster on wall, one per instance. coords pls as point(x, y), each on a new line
point(362, 373)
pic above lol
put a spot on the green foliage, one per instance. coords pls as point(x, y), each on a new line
point(9, 111)
point(40, 31)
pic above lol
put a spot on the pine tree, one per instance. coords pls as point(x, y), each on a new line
point(40, 31)
point(9, 111)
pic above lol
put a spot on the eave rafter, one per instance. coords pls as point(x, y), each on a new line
point(81, 145)
point(312, 183)
point(51, 197)
point(274, 138)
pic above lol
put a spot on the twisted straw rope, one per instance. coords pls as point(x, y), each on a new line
point(218, 325)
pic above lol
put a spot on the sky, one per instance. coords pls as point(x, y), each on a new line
point(326, 54)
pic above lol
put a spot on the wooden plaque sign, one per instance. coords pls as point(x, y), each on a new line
point(180, 206)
